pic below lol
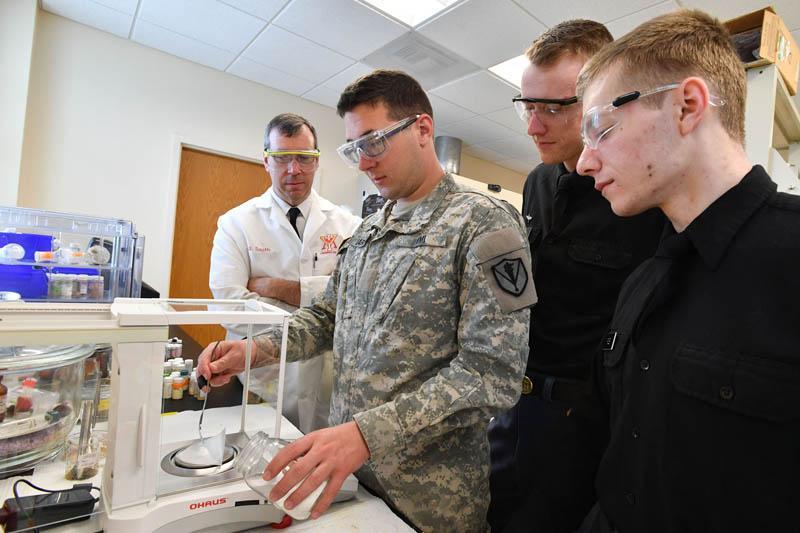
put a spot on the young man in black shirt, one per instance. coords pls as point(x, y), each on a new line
point(546, 449)
point(700, 367)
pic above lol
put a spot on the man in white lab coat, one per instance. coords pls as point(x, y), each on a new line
point(281, 247)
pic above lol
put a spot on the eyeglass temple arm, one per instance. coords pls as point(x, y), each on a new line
point(625, 98)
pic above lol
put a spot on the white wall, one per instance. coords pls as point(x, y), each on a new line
point(17, 27)
point(105, 116)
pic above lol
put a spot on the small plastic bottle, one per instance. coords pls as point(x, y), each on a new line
point(177, 388)
point(167, 369)
point(188, 364)
point(166, 392)
point(177, 364)
point(24, 406)
point(185, 376)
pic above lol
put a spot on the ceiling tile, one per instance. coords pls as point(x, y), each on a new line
point(485, 32)
point(480, 92)
point(477, 130)
point(263, 9)
point(480, 152)
point(345, 26)
point(172, 43)
point(281, 49)
point(126, 6)
point(347, 76)
point(429, 63)
point(788, 10)
point(523, 167)
point(517, 147)
point(92, 14)
point(509, 118)
point(250, 70)
point(445, 113)
point(208, 21)
point(323, 95)
point(551, 13)
point(621, 26)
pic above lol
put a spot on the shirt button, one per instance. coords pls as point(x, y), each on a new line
point(644, 364)
point(630, 498)
point(726, 392)
point(635, 433)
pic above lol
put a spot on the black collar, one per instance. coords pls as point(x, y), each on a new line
point(712, 232)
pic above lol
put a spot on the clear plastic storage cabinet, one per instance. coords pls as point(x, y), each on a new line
point(48, 256)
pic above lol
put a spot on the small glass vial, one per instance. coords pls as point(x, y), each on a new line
point(82, 286)
point(193, 384)
point(66, 282)
point(95, 288)
point(53, 286)
point(3, 398)
point(82, 465)
point(177, 388)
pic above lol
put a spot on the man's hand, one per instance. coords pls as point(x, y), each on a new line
point(280, 289)
point(328, 454)
point(222, 360)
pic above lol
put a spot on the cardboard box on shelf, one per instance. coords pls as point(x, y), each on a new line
point(761, 38)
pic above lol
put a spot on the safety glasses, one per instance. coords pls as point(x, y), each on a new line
point(547, 110)
point(372, 145)
point(600, 120)
point(306, 159)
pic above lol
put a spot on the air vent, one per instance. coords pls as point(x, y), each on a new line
point(428, 62)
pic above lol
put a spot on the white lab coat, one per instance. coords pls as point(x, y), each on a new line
point(256, 239)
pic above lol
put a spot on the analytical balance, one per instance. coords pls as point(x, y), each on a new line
point(145, 485)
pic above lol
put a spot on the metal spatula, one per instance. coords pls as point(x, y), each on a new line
point(201, 383)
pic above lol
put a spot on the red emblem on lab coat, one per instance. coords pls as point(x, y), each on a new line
point(329, 245)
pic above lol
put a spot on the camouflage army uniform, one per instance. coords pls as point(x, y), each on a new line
point(431, 340)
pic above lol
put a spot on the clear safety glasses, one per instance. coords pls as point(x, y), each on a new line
point(600, 120)
point(306, 159)
point(372, 145)
point(547, 110)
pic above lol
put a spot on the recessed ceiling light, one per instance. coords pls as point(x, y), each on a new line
point(511, 69)
point(411, 12)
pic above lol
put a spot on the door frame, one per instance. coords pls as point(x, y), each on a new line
point(179, 142)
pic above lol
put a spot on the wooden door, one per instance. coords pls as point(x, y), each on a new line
point(209, 185)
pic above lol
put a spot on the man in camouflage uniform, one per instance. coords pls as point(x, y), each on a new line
point(427, 314)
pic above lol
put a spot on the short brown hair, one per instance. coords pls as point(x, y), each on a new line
point(669, 48)
point(288, 124)
point(577, 37)
point(399, 92)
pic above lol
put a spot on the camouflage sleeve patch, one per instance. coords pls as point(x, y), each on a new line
point(506, 264)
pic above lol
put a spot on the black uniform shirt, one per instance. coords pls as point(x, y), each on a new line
point(582, 252)
point(704, 395)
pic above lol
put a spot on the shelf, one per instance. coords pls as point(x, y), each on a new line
point(787, 118)
point(50, 265)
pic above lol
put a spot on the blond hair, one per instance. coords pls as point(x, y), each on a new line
point(670, 48)
point(578, 37)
